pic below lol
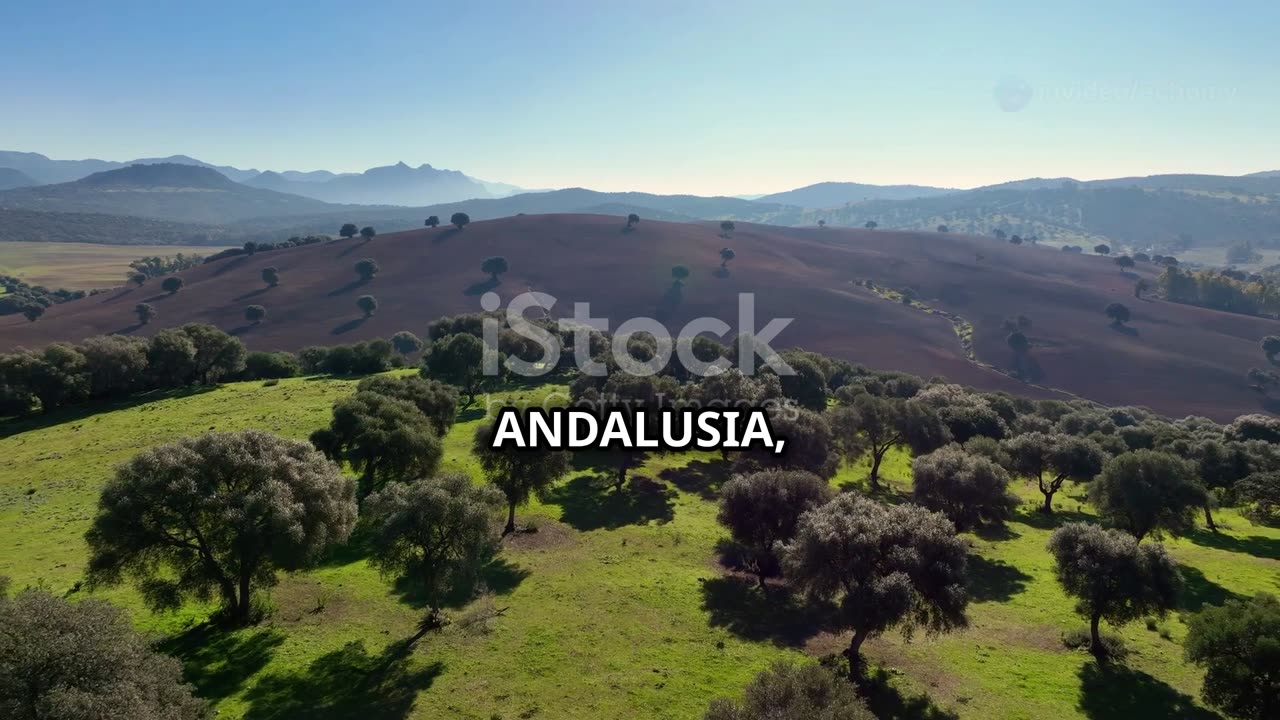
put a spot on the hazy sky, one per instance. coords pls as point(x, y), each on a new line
point(699, 97)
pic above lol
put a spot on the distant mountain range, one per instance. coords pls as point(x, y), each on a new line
point(396, 184)
point(194, 201)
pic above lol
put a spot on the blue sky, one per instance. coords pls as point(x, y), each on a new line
point(700, 97)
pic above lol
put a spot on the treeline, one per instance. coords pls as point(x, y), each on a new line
point(31, 300)
point(251, 247)
point(113, 367)
point(158, 265)
point(1232, 291)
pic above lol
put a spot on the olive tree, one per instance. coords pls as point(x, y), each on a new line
point(458, 360)
point(433, 221)
point(171, 284)
point(886, 566)
point(406, 343)
point(793, 692)
point(367, 232)
point(383, 438)
point(348, 231)
point(761, 510)
point(437, 401)
point(1111, 577)
point(632, 219)
point(1237, 646)
point(1118, 312)
point(875, 425)
point(83, 660)
point(438, 531)
point(270, 276)
point(368, 305)
point(968, 489)
point(220, 514)
point(726, 254)
point(460, 220)
point(145, 312)
point(1145, 492)
point(255, 314)
point(1053, 459)
point(367, 268)
point(517, 472)
point(494, 267)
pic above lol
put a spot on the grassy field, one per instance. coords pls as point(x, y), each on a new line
point(616, 606)
point(80, 266)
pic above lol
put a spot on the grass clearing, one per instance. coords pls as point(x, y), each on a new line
point(615, 607)
point(81, 266)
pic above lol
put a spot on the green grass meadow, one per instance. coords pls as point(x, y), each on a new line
point(616, 607)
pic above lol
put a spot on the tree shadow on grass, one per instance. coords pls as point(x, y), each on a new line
point(699, 476)
point(1041, 521)
point(993, 580)
point(348, 326)
point(1198, 591)
point(15, 426)
point(231, 264)
point(889, 703)
point(116, 296)
point(1124, 330)
point(127, 330)
point(498, 576)
point(1256, 545)
point(348, 287)
point(482, 287)
point(996, 531)
point(346, 683)
point(252, 293)
point(216, 661)
point(239, 330)
point(780, 617)
point(444, 235)
point(1116, 692)
point(586, 503)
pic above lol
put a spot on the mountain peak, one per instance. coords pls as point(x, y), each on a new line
point(162, 175)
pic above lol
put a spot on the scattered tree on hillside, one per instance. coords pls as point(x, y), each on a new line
point(1118, 312)
point(367, 268)
point(1141, 257)
point(217, 514)
point(1000, 234)
point(367, 232)
point(871, 225)
point(433, 221)
point(270, 276)
point(1015, 240)
point(459, 220)
point(458, 360)
point(171, 284)
point(1237, 645)
point(726, 228)
point(632, 220)
point(494, 266)
point(1140, 287)
point(368, 304)
point(1018, 342)
point(439, 531)
point(793, 692)
point(726, 254)
point(679, 273)
point(349, 231)
point(1052, 460)
point(255, 313)
point(136, 277)
point(146, 313)
point(943, 228)
point(517, 472)
point(33, 312)
point(761, 510)
point(83, 660)
point(1145, 492)
point(383, 438)
point(437, 401)
point(885, 566)
point(1102, 249)
point(406, 343)
point(968, 489)
point(250, 247)
point(1112, 577)
point(1271, 348)
point(877, 424)
point(1124, 262)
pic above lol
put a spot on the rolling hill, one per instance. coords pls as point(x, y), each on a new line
point(834, 194)
point(802, 273)
point(396, 184)
point(167, 191)
point(10, 178)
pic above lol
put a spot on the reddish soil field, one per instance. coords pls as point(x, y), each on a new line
point(1175, 359)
